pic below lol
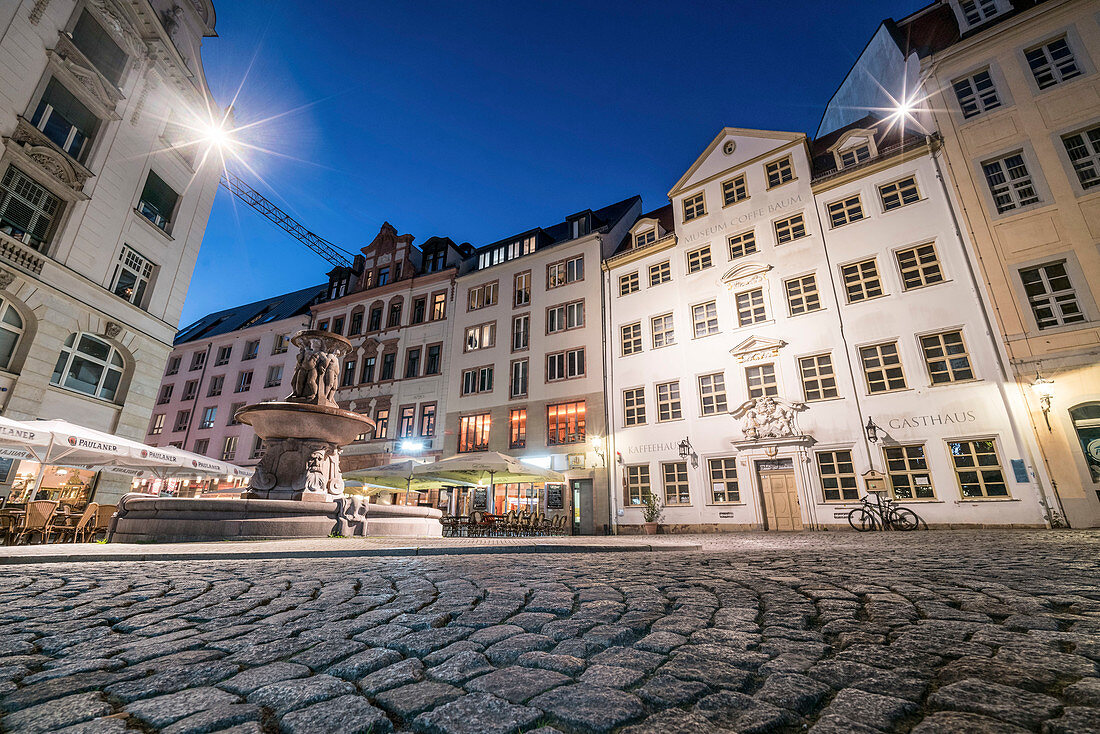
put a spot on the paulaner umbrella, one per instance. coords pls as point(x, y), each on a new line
point(401, 475)
point(486, 468)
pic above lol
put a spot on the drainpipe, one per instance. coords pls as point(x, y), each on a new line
point(608, 381)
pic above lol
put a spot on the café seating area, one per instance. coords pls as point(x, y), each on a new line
point(51, 521)
point(511, 525)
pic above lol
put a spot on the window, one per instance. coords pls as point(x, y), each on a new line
point(521, 289)
point(244, 381)
point(565, 317)
point(347, 376)
point(660, 273)
point(389, 362)
point(165, 394)
point(632, 338)
point(723, 480)
point(760, 380)
point(634, 406)
point(481, 336)
point(229, 448)
point(742, 244)
point(704, 317)
point(432, 364)
point(565, 365)
point(183, 417)
point(1086, 423)
point(1010, 183)
point(908, 472)
point(628, 283)
point(675, 476)
point(946, 357)
point(473, 433)
point(65, 120)
point(694, 207)
point(734, 190)
point(518, 386)
point(436, 260)
point(11, 330)
point(173, 366)
point(132, 274)
point(818, 378)
point(861, 280)
point(412, 363)
point(1051, 296)
point(699, 259)
point(419, 310)
point(899, 193)
point(790, 229)
point(976, 94)
point(355, 326)
point(1052, 63)
point(1083, 149)
point(97, 46)
point(779, 172)
point(88, 365)
point(158, 201)
point(481, 296)
point(637, 484)
point(198, 360)
point(477, 380)
point(517, 428)
point(251, 349)
point(712, 394)
point(374, 322)
point(802, 295)
point(427, 420)
point(217, 383)
point(190, 389)
point(158, 425)
point(919, 266)
point(645, 237)
point(381, 422)
point(750, 307)
point(208, 416)
point(663, 333)
point(338, 325)
point(855, 155)
point(406, 425)
point(439, 306)
point(882, 367)
point(978, 11)
point(565, 423)
point(281, 343)
point(668, 402)
point(257, 448)
point(27, 210)
point(224, 353)
point(978, 468)
point(564, 272)
point(394, 319)
point(838, 475)
point(367, 373)
point(233, 409)
point(383, 276)
point(845, 211)
point(521, 332)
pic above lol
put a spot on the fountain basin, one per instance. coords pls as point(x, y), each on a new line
point(305, 422)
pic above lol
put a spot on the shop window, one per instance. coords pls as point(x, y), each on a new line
point(517, 424)
point(1086, 422)
point(723, 481)
point(675, 479)
point(95, 43)
point(27, 210)
point(838, 476)
point(89, 365)
point(64, 120)
point(907, 468)
point(565, 423)
point(473, 433)
point(636, 484)
point(158, 201)
point(978, 468)
point(11, 331)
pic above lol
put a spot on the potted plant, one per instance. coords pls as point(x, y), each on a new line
point(651, 514)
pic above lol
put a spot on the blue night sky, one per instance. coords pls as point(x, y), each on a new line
point(476, 120)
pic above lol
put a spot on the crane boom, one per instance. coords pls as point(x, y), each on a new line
point(287, 223)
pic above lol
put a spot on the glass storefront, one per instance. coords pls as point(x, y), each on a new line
point(64, 484)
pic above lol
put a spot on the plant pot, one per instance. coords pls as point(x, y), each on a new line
point(650, 528)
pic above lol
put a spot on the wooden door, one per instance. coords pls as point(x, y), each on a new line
point(781, 500)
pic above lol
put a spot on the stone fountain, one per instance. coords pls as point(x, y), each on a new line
point(297, 490)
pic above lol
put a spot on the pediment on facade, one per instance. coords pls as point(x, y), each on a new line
point(646, 223)
point(854, 138)
point(756, 348)
point(745, 274)
point(63, 176)
point(69, 58)
point(730, 149)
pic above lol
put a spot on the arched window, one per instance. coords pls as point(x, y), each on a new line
point(1086, 421)
point(89, 365)
point(11, 330)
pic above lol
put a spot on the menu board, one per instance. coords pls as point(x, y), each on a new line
point(481, 498)
point(554, 499)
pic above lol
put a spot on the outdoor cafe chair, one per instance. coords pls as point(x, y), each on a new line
point(78, 532)
point(38, 520)
point(476, 525)
point(103, 516)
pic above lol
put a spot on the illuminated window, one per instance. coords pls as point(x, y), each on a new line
point(907, 468)
point(517, 425)
point(473, 433)
point(978, 468)
point(637, 484)
point(675, 479)
point(565, 423)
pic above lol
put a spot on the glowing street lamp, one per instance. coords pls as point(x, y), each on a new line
point(1044, 388)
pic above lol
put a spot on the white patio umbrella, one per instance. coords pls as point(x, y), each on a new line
point(402, 475)
point(488, 467)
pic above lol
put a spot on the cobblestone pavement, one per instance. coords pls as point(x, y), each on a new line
point(968, 631)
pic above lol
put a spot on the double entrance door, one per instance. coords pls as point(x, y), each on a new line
point(779, 494)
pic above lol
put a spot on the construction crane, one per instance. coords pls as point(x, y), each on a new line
point(335, 255)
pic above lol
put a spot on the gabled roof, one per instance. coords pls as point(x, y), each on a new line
point(726, 133)
point(271, 309)
point(561, 231)
point(888, 137)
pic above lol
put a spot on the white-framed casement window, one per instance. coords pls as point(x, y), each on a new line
point(712, 394)
point(1051, 296)
point(517, 387)
point(157, 427)
point(664, 334)
point(634, 406)
point(565, 272)
point(565, 365)
point(838, 475)
point(564, 317)
point(224, 354)
point(477, 380)
point(183, 417)
point(11, 331)
point(636, 484)
point(217, 384)
point(973, 13)
point(845, 211)
point(521, 332)
point(521, 289)
point(946, 357)
point(882, 367)
point(208, 417)
point(704, 318)
point(1052, 63)
point(897, 194)
point(818, 377)
point(244, 381)
point(480, 296)
point(761, 382)
point(165, 395)
point(1083, 149)
point(645, 237)
point(734, 190)
point(674, 475)
point(790, 229)
point(699, 259)
point(742, 244)
point(480, 336)
point(802, 294)
point(89, 365)
point(976, 94)
point(907, 469)
point(660, 273)
point(27, 210)
point(275, 375)
point(257, 448)
point(229, 448)
point(861, 280)
point(174, 366)
point(132, 275)
point(919, 266)
point(668, 402)
point(190, 390)
point(978, 468)
point(631, 337)
point(251, 349)
point(65, 120)
point(198, 360)
point(750, 307)
point(854, 155)
point(1010, 182)
point(629, 283)
point(158, 201)
point(694, 207)
point(779, 172)
point(723, 480)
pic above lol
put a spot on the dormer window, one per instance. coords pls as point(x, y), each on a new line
point(580, 226)
point(856, 147)
point(645, 237)
point(855, 156)
point(97, 46)
point(64, 120)
point(973, 13)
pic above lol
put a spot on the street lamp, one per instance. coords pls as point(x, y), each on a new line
point(872, 430)
point(1044, 388)
point(686, 451)
point(597, 447)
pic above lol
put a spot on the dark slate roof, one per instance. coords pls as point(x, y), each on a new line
point(275, 308)
point(889, 138)
point(560, 232)
point(936, 27)
point(664, 217)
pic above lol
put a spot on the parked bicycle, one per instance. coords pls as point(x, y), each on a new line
point(883, 514)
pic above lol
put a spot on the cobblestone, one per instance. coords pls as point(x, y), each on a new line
point(911, 632)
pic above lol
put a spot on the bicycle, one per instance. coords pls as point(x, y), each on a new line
point(882, 514)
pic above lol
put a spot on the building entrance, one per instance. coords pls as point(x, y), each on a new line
point(779, 494)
